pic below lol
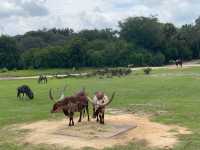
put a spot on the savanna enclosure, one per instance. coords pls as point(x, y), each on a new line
point(99, 74)
point(147, 108)
point(159, 110)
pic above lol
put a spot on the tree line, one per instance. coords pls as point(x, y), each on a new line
point(142, 41)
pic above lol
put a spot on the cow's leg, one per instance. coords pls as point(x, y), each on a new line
point(102, 118)
point(20, 95)
point(72, 115)
point(97, 115)
point(23, 95)
point(80, 116)
point(84, 112)
point(87, 109)
point(94, 115)
point(70, 119)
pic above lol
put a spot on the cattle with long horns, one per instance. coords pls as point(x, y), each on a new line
point(71, 104)
point(100, 101)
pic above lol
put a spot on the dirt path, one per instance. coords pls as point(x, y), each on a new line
point(36, 77)
point(195, 63)
point(119, 129)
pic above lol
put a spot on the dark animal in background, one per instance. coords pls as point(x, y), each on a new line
point(42, 79)
point(100, 101)
point(24, 90)
point(179, 62)
point(71, 104)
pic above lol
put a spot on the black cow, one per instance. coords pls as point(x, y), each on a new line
point(24, 90)
point(179, 62)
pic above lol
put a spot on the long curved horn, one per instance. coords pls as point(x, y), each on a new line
point(103, 105)
point(62, 95)
point(51, 96)
point(90, 100)
point(110, 100)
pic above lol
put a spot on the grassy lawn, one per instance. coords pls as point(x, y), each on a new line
point(163, 90)
point(35, 72)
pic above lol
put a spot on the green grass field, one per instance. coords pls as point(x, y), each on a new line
point(35, 72)
point(175, 91)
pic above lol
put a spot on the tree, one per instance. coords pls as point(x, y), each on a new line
point(145, 32)
point(77, 55)
point(8, 53)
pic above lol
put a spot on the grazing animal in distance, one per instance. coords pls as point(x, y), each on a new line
point(42, 79)
point(179, 62)
point(24, 90)
point(71, 104)
point(100, 101)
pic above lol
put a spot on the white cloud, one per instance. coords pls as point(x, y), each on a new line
point(19, 16)
point(20, 8)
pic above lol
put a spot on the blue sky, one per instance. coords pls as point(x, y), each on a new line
point(20, 16)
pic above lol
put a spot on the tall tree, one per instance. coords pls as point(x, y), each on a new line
point(9, 55)
point(145, 32)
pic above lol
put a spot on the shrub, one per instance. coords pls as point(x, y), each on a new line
point(147, 70)
point(158, 59)
point(171, 61)
point(4, 70)
point(14, 69)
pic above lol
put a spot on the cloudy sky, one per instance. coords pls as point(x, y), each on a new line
point(20, 16)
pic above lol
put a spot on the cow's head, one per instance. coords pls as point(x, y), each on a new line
point(58, 104)
point(57, 107)
point(30, 94)
point(100, 96)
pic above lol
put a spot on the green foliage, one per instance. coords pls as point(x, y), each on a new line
point(158, 59)
point(142, 41)
point(145, 32)
point(147, 70)
point(4, 70)
point(9, 54)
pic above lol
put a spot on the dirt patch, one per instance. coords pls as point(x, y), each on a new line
point(118, 130)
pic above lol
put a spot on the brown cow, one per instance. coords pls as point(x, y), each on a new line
point(71, 104)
